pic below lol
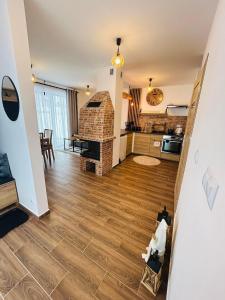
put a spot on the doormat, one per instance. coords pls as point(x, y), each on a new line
point(12, 219)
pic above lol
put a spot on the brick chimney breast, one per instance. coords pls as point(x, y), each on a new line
point(97, 123)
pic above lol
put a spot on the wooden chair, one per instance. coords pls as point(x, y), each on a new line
point(47, 145)
point(43, 148)
point(44, 154)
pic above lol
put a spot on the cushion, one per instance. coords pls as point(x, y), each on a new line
point(5, 172)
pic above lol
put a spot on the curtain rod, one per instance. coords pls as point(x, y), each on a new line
point(43, 82)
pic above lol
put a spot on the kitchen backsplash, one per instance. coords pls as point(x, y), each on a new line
point(170, 121)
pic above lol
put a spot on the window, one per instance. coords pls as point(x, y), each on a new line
point(52, 112)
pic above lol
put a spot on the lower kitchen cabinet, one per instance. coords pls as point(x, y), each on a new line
point(150, 144)
point(141, 143)
point(170, 156)
point(155, 145)
point(129, 143)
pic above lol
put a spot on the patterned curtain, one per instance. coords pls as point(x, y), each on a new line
point(134, 106)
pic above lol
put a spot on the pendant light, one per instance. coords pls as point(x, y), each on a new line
point(150, 88)
point(118, 60)
point(88, 92)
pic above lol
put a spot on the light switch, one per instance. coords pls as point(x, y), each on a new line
point(196, 157)
point(210, 187)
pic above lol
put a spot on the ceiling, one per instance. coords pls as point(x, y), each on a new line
point(70, 40)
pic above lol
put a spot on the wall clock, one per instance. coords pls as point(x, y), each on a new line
point(155, 97)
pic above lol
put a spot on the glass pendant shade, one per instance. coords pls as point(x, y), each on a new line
point(87, 92)
point(150, 88)
point(117, 60)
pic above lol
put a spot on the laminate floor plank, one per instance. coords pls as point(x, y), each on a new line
point(46, 270)
point(124, 269)
point(16, 238)
point(44, 235)
point(113, 289)
point(27, 289)
point(69, 289)
point(11, 270)
point(86, 275)
point(68, 229)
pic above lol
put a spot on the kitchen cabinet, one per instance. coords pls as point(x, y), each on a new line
point(150, 144)
point(170, 156)
point(155, 145)
point(123, 147)
point(141, 143)
point(129, 143)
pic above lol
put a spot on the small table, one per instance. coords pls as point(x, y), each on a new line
point(75, 141)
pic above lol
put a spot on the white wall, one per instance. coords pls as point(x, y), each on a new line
point(20, 139)
point(198, 262)
point(114, 85)
point(125, 106)
point(174, 94)
point(124, 113)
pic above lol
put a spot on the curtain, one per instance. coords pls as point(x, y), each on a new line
point(72, 111)
point(52, 112)
point(134, 106)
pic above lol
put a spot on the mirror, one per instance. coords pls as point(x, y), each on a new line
point(10, 98)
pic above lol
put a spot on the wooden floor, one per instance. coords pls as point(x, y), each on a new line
point(90, 245)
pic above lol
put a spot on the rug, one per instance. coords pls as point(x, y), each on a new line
point(12, 219)
point(146, 160)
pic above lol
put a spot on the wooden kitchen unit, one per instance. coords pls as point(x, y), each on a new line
point(129, 143)
point(148, 144)
point(8, 194)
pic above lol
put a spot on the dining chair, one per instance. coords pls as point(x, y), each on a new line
point(48, 144)
point(44, 150)
point(44, 154)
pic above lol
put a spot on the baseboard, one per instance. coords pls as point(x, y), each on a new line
point(44, 214)
point(31, 213)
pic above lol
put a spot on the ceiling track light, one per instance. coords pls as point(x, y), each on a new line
point(117, 59)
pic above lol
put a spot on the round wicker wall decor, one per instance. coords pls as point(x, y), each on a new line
point(155, 97)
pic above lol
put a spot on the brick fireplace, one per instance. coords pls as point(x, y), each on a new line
point(96, 128)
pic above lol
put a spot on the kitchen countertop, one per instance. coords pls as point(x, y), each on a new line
point(125, 132)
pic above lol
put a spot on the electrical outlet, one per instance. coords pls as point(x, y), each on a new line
point(210, 187)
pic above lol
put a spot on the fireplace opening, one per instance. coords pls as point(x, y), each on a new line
point(92, 150)
point(90, 166)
